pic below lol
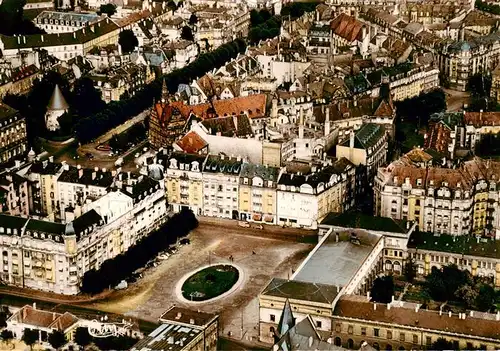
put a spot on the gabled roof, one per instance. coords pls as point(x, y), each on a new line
point(293, 289)
point(347, 27)
point(192, 143)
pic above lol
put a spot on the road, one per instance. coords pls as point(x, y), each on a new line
point(455, 100)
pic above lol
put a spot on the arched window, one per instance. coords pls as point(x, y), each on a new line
point(388, 266)
point(338, 341)
point(350, 344)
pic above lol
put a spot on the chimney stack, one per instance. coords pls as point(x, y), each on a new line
point(327, 121)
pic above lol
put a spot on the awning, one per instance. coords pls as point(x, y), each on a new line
point(257, 216)
point(269, 218)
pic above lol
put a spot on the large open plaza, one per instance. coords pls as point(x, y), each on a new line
point(259, 259)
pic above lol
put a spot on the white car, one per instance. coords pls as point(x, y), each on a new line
point(163, 257)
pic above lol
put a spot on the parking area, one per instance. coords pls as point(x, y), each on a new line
point(260, 257)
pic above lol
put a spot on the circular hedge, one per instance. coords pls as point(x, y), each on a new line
point(210, 282)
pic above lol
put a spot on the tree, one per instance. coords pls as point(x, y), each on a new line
point(468, 294)
point(82, 336)
point(410, 270)
point(485, 298)
point(187, 33)
point(442, 344)
point(30, 337)
point(86, 98)
point(383, 289)
point(193, 19)
point(108, 9)
point(57, 339)
point(6, 335)
point(128, 41)
point(442, 285)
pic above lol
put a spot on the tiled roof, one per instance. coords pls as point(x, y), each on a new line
point(192, 143)
point(183, 315)
point(64, 321)
point(67, 16)
point(231, 126)
point(359, 307)
point(88, 177)
point(482, 119)
point(219, 164)
point(297, 290)
point(347, 27)
point(417, 155)
point(39, 318)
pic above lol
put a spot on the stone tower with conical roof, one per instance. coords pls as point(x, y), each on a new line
point(56, 108)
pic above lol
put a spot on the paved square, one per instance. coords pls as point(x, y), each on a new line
point(260, 258)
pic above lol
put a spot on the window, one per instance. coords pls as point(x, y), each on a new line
point(401, 336)
point(272, 317)
point(338, 328)
point(363, 331)
point(389, 334)
point(350, 329)
point(318, 324)
point(415, 338)
point(428, 341)
point(376, 332)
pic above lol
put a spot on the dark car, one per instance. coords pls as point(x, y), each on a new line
point(89, 155)
point(184, 241)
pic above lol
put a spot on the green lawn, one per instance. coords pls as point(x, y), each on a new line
point(210, 282)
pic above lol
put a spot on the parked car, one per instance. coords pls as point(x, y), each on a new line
point(259, 226)
point(244, 224)
point(163, 256)
point(89, 155)
point(184, 241)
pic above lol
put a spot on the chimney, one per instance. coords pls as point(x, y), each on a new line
point(51, 159)
point(481, 116)
point(368, 297)
point(18, 40)
point(93, 175)
point(24, 39)
point(375, 306)
point(80, 173)
point(34, 305)
point(274, 108)
point(388, 306)
point(351, 140)
point(310, 341)
point(417, 307)
point(191, 321)
point(498, 316)
point(41, 38)
point(449, 314)
point(74, 35)
point(327, 121)
point(178, 316)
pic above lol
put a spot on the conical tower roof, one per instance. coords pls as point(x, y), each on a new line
point(57, 101)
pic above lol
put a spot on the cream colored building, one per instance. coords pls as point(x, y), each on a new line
point(456, 201)
point(44, 174)
point(53, 257)
point(257, 193)
point(184, 182)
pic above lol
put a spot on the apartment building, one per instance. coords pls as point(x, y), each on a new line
point(221, 186)
point(184, 182)
point(257, 193)
point(14, 195)
point(76, 185)
point(457, 201)
point(304, 199)
point(13, 140)
point(51, 256)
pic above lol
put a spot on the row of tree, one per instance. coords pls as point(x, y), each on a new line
point(117, 112)
point(133, 135)
point(12, 20)
point(263, 26)
point(484, 6)
point(297, 9)
point(113, 271)
point(418, 109)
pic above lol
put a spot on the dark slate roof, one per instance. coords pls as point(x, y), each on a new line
point(6, 111)
point(142, 188)
point(45, 167)
point(102, 179)
point(367, 136)
point(297, 290)
point(286, 320)
point(217, 164)
point(186, 158)
point(80, 36)
point(45, 227)
point(313, 179)
point(12, 222)
point(230, 126)
point(86, 221)
point(363, 221)
point(250, 170)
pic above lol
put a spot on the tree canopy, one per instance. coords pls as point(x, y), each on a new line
point(417, 110)
point(297, 9)
point(442, 344)
point(108, 9)
point(193, 19)
point(57, 339)
point(263, 26)
point(6, 335)
point(410, 270)
point(82, 336)
point(30, 336)
point(383, 289)
point(187, 33)
point(114, 270)
point(128, 41)
point(486, 7)
point(12, 20)
point(488, 145)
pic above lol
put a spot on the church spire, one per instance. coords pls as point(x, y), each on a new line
point(164, 92)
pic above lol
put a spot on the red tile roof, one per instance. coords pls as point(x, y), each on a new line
point(480, 119)
point(358, 307)
point(347, 27)
point(192, 143)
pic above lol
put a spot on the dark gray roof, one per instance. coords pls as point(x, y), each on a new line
point(45, 227)
point(217, 164)
point(86, 221)
point(250, 170)
point(57, 101)
point(293, 289)
point(169, 337)
point(12, 222)
point(367, 136)
point(6, 111)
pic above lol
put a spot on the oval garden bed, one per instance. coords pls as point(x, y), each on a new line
point(210, 282)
